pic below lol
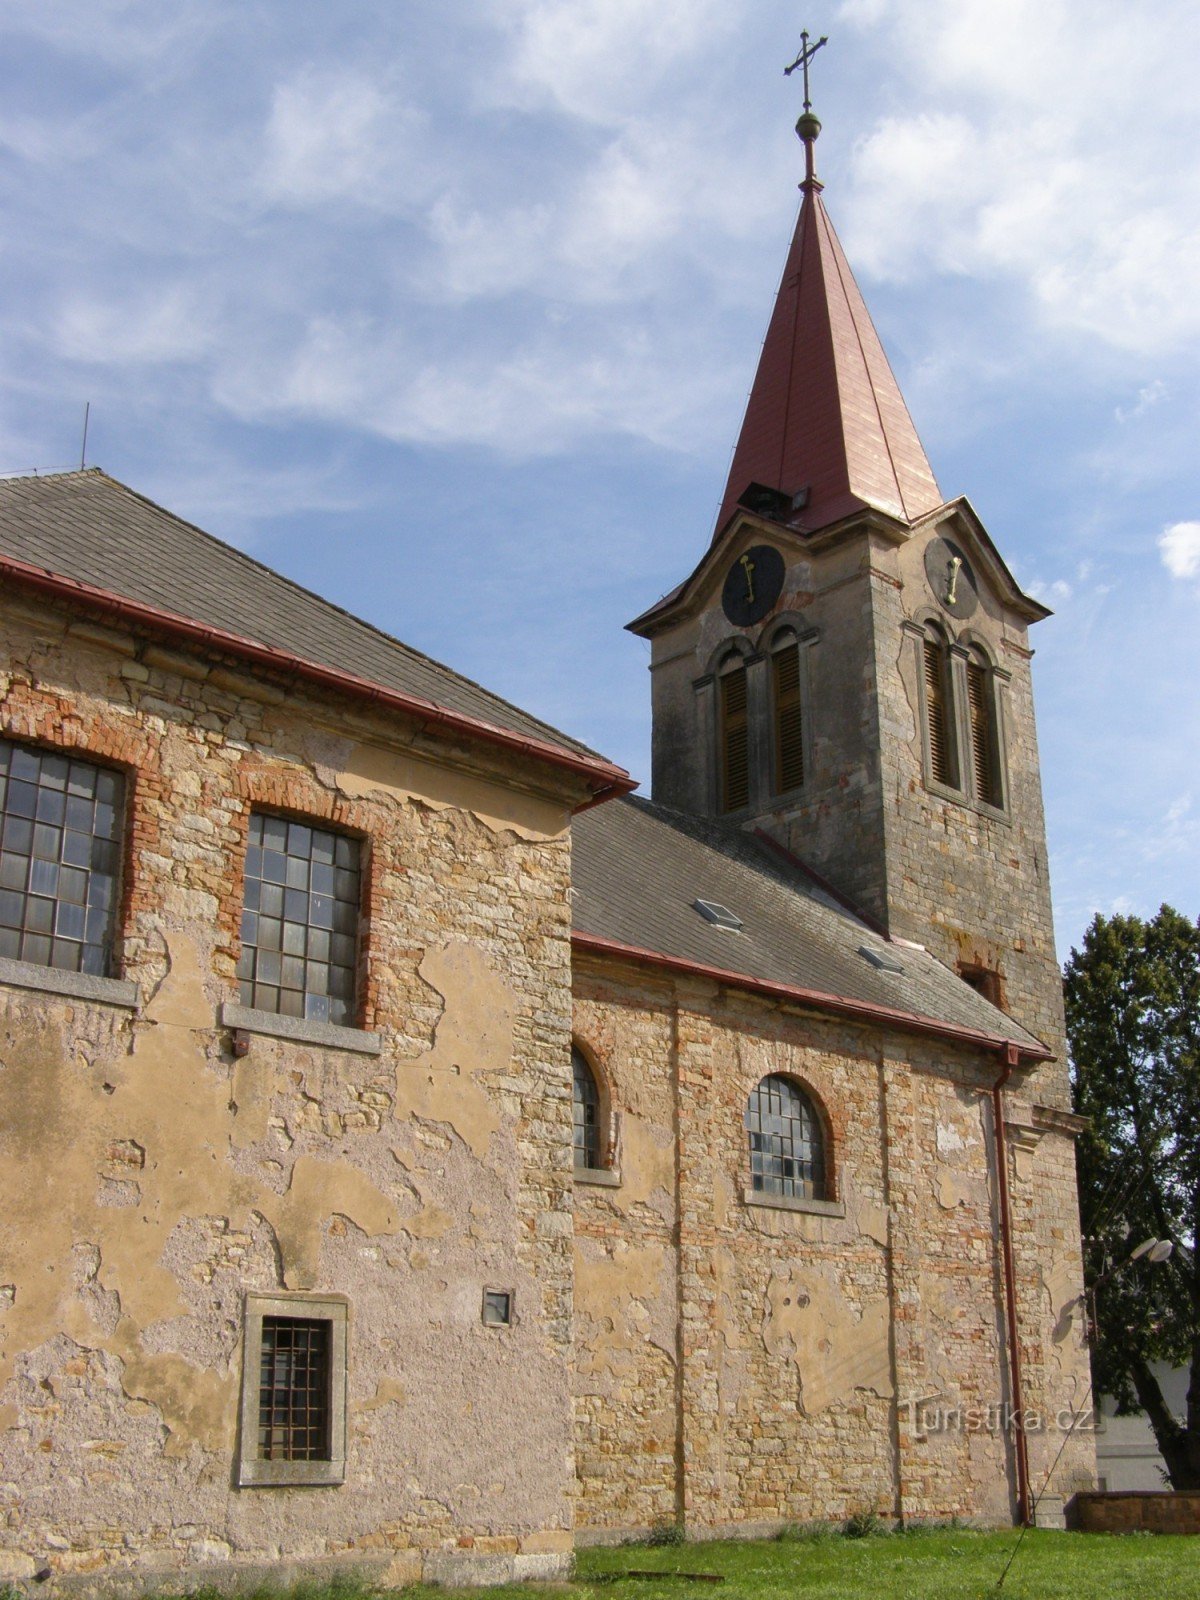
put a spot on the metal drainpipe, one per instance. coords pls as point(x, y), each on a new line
point(1011, 1059)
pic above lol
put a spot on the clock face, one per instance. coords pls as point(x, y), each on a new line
point(752, 585)
point(950, 577)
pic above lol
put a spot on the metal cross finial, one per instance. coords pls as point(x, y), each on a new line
point(806, 54)
point(808, 127)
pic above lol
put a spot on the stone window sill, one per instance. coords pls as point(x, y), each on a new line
point(76, 985)
point(265, 1474)
point(960, 797)
point(599, 1177)
point(787, 1202)
point(300, 1030)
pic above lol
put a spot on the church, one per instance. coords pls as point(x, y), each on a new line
point(422, 1154)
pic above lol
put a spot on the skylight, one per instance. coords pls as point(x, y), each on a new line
point(719, 916)
point(880, 959)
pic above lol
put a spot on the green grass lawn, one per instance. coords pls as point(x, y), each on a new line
point(934, 1564)
point(942, 1564)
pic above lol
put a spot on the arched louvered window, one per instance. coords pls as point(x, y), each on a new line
point(983, 740)
point(585, 1098)
point(788, 713)
point(734, 742)
point(939, 710)
point(787, 1144)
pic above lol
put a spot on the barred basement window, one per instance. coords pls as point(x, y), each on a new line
point(585, 1098)
point(734, 735)
point(985, 753)
point(300, 921)
point(939, 713)
point(293, 1390)
point(788, 719)
point(59, 859)
point(787, 1144)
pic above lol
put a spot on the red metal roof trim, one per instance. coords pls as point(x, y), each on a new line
point(839, 1005)
point(606, 779)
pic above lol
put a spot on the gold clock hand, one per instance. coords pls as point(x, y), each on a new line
point(748, 568)
point(955, 564)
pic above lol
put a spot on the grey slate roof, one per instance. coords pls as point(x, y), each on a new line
point(87, 526)
point(638, 867)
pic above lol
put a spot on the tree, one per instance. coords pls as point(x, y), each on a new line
point(1133, 1023)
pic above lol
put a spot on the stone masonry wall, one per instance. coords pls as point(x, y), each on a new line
point(849, 1358)
point(150, 1177)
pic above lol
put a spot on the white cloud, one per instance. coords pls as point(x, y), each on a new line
point(601, 59)
point(1148, 396)
point(1053, 593)
point(158, 325)
point(127, 33)
point(1179, 546)
point(338, 134)
point(1026, 180)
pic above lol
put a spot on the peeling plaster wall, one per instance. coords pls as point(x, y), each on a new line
point(742, 1365)
point(150, 1179)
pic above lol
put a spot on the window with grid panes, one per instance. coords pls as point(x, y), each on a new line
point(293, 1390)
point(293, 1408)
point(300, 921)
point(787, 1145)
point(60, 827)
point(585, 1100)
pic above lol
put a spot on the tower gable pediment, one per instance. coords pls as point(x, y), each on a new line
point(702, 589)
point(957, 526)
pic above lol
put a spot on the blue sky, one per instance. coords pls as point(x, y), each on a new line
point(450, 310)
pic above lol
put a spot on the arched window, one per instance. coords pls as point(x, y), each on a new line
point(585, 1097)
point(939, 709)
point(734, 733)
point(787, 1143)
point(983, 731)
point(787, 713)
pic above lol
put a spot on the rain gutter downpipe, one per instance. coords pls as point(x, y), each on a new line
point(1021, 1443)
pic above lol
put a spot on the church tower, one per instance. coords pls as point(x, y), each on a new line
point(848, 668)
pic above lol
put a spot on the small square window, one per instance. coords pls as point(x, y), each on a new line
point(497, 1308)
point(293, 1422)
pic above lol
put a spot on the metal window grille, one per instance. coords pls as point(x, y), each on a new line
point(585, 1099)
point(300, 921)
point(937, 714)
point(735, 741)
point(789, 742)
point(59, 859)
point(787, 1147)
point(983, 734)
point(293, 1392)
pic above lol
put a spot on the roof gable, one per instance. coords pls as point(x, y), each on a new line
point(88, 529)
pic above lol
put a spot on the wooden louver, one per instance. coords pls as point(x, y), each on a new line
point(983, 742)
point(789, 744)
point(735, 741)
point(941, 756)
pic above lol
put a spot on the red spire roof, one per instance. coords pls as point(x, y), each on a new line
point(826, 412)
